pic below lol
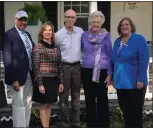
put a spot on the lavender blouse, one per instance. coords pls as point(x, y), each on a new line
point(88, 53)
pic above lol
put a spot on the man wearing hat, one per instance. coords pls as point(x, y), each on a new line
point(17, 47)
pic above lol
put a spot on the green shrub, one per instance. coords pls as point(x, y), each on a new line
point(35, 12)
point(116, 118)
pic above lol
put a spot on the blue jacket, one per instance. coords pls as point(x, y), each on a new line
point(130, 62)
point(15, 57)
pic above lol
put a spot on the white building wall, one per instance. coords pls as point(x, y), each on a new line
point(93, 6)
point(10, 9)
point(142, 18)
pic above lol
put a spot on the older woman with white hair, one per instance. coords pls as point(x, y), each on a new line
point(96, 71)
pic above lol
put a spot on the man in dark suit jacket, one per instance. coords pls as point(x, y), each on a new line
point(17, 47)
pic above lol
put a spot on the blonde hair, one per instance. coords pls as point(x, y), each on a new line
point(40, 37)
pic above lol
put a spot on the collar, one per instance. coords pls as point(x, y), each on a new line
point(66, 31)
point(19, 31)
point(132, 33)
point(123, 44)
point(47, 45)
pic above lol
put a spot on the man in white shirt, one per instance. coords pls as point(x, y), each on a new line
point(69, 40)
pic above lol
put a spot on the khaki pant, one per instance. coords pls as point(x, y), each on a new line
point(72, 80)
point(21, 104)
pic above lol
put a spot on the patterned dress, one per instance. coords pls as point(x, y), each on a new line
point(48, 72)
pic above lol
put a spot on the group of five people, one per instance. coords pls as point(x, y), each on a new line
point(40, 72)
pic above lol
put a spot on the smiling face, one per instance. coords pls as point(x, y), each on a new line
point(47, 33)
point(125, 27)
point(21, 23)
point(70, 18)
point(96, 24)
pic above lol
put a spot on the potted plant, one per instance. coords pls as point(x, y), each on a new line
point(35, 12)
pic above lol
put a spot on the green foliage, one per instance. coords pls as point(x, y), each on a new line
point(35, 12)
point(116, 125)
point(116, 118)
point(115, 114)
point(148, 120)
point(35, 112)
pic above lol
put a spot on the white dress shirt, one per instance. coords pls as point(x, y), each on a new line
point(70, 44)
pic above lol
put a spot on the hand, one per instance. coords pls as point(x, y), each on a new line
point(42, 89)
point(16, 86)
point(61, 88)
point(140, 85)
point(108, 80)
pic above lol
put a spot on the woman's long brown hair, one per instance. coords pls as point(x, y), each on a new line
point(40, 37)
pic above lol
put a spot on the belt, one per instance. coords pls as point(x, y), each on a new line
point(68, 63)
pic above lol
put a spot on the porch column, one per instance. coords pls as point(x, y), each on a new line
point(93, 7)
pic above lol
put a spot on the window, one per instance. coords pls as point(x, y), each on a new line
point(82, 22)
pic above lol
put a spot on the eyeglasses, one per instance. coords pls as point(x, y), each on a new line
point(72, 17)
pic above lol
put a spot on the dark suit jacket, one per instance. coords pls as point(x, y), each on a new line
point(15, 57)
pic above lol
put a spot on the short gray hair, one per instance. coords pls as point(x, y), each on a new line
point(96, 14)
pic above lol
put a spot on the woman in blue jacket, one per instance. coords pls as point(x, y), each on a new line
point(130, 57)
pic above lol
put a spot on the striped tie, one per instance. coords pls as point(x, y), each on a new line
point(29, 50)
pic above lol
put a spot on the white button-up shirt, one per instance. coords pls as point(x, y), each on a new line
point(70, 44)
point(23, 39)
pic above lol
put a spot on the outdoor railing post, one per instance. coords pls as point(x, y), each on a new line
point(152, 71)
point(150, 44)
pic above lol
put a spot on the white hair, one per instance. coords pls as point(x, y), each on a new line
point(96, 14)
